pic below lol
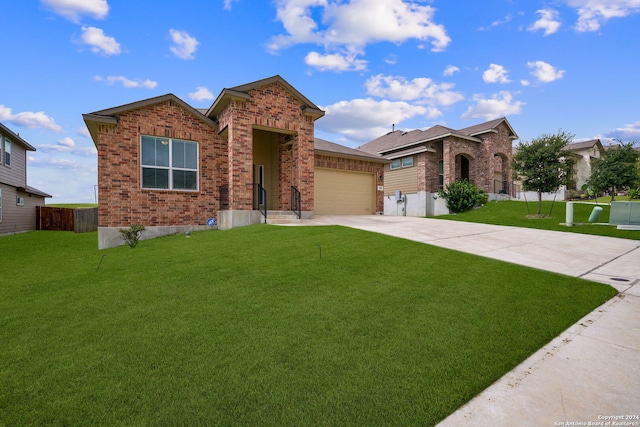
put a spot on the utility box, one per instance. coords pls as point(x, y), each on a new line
point(595, 214)
point(624, 213)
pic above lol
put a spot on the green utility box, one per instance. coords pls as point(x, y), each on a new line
point(595, 214)
point(624, 213)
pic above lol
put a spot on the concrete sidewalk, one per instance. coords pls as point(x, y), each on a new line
point(589, 372)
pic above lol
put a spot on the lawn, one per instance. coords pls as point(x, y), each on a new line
point(264, 325)
point(515, 213)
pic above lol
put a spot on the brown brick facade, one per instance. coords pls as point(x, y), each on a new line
point(123, 201)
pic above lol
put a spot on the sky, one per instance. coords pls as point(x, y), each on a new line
point(371, 65)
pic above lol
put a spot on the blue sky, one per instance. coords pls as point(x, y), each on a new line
point(544, 64)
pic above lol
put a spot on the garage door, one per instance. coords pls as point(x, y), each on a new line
point(340, 192)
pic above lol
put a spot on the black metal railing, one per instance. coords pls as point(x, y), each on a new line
point(260, 199)
point(505, 187)
point(295, 202)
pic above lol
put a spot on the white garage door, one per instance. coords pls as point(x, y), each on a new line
point(341, 192)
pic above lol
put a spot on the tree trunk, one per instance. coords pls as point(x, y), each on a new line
point(539, 202)
point(612, 192)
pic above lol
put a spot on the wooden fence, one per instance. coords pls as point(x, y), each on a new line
point(65, 219)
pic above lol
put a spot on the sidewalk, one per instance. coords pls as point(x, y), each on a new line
point(592, 370)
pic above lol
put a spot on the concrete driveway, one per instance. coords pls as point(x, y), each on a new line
point(588, 373)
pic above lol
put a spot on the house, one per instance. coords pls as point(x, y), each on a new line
point(174, 168)
point(584, 154)
point(18, 201)
point(423, 161)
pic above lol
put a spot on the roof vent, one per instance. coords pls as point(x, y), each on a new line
point(404, 133)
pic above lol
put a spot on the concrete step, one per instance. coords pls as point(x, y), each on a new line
point(282, 217)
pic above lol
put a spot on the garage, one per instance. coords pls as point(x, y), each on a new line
point(343, 192)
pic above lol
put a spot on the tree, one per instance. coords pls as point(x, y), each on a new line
point(543, 165)
point(616, 170)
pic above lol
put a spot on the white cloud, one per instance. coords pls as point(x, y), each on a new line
point(201, 94)
point(496, 74)
point(544, 72)
point(549, 21)
point(498, 22)
point(184, 45)
point(74, 9)
point(450, 70)
point(29, 119)
point(226, 4)
point(356, 23)
point(627, 133)
point(99, 42)
point(335, 62)
point(83, 131)
point(422, 89)
point(499, 105)
point(365, 119)
point(68, 145)
point(594, 13)
point(127, 83)
point(524, 82)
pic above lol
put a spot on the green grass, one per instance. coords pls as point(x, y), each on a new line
point(252, 327)
point(514, 213)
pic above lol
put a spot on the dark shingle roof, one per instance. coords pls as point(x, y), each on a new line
point(398, 140)
point(322, 146)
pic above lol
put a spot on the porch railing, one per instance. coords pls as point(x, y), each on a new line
point(295, 202)
point(260, 199)
point(505, 187)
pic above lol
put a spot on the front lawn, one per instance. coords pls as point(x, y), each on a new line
point(264, 325)
point(515, 213)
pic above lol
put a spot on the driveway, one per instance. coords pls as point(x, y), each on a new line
point(588, 373)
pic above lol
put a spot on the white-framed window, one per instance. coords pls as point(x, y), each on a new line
point(7, 152)
point(169, 164)
point(405, 162)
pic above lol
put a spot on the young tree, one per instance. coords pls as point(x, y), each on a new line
point(543, 165)
point(616, 170)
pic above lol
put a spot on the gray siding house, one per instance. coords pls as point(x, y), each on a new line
point(18, 201)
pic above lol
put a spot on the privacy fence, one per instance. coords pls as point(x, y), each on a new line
point(65, 219)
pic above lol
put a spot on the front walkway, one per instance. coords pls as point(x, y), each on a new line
point(589, 372)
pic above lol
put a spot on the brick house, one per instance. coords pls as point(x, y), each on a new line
point(171, 167)
point(18, 201)
point(423, 161)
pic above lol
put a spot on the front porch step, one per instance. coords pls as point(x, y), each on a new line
point(282, 217)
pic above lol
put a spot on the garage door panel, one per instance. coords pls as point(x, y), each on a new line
point(340, 192)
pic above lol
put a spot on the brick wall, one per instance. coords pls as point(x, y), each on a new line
point(123, 201)
point(273, 108)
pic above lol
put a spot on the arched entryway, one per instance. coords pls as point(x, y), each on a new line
point(464, 167)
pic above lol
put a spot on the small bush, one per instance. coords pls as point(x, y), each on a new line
point(634, 193)
point(462, 196)
point(131, 236)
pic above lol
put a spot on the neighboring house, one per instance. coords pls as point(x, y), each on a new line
point(584, 154)
point(170, 167)
point(423, 161)
point(18, 201)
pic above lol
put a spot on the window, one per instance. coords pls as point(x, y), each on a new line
point(405, 162)
point(7, 152)
point(170, 164)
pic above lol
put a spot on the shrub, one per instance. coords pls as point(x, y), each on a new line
point(132, 234)
point(634, 193)
point(462, 196)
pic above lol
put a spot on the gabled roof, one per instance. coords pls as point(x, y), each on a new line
point(489, 126)
point(575, 146)
point(110, 115)
point(399, 140)
point(322, 146)
point(14, 137)
point(242, 92)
